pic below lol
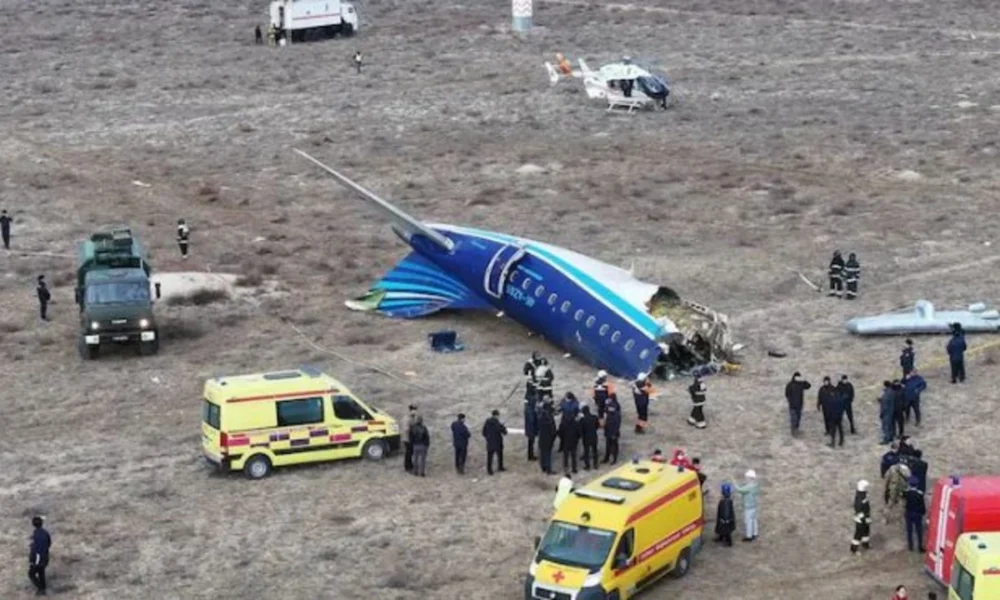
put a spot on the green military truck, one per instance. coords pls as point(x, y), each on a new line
point(113, 291)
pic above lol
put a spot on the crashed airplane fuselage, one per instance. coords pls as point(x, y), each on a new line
point(595, 311)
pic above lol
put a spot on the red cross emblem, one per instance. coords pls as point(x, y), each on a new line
point(559, 576)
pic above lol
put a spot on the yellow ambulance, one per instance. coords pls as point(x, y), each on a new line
point(975, 574)
point(256, 422)
point(619, 534)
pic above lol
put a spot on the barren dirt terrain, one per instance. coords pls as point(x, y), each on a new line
point(799, 127)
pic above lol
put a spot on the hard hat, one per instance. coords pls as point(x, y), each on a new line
point(863, 485)
point(602, 373)
point(751, 474)
point(641, 376)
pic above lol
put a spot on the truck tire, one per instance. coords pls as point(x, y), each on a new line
point(258, 467)
point(374, 450)
point(88, 352)
point(347, 30)
point(149, 348)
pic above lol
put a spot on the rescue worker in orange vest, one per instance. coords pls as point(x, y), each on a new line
point(642, 389)
point(564, 67)
point(603, 388)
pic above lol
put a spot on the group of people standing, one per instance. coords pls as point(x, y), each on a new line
point(835, 402)
point(417, 441)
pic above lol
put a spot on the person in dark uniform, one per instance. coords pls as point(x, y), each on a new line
point(836, 275)
point(258, 37)
point(38, 556)
point(569, 408)
point(918, 468)
point(698, 391)
point(5, 222)
point(795, 395)
point(407, 443)
point(183, 235)
point(531, 403)
point(460, 436)
point(493, 431)
point(915, 511)
point(898, 408)
point(956, 354)
point(725, 517)
point(603, 388)
point(546, 437)
point(908, 358)
point(885, 411)
point(588, 433)
point(544, 378)
point(852, 274)
point(569, 437)
point(642, 389)
point(824, 402)
point(913, 386)
point(44, 297)
point(833, 411)
point(862, 518)
point(846, 390)
point(612, 429)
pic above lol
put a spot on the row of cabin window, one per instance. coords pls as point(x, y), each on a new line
point(566, 305)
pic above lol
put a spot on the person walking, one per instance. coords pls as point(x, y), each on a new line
point(749, 491)
point(795, 395)
point(460, 436)
point(183, 237)
point(38, 555)
point(546, 437)
point(421, 440)
point(907, 358)
point(698, 391)
point(612, 428)
point(956, 354)
point(44, 297)
point(589, 427)
point(493, 431)
point(642, 390)
point(915, 511)
point(846, 391)
point(913, 386)
point(407, 442)
point(862, 518)
point(725, 517)
point(357, 60)
point(5, 222)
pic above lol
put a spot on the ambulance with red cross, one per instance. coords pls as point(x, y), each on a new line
point(619, 534)
point(253, 423)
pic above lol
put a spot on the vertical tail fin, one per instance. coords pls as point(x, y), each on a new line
point(585, 69)
point(553, 73)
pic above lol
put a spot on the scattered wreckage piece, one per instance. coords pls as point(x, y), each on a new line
point(925, 319)
point(445, 341)
point(595, 311)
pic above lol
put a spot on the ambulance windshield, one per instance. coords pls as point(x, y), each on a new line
point(575, 545)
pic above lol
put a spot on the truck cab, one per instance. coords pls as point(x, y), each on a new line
point(975, 572)
point(114, 293)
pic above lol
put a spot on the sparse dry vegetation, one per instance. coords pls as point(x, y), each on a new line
point(200, 297)
point(788, 126)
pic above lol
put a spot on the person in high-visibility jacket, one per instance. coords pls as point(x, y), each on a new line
point(862, 518)
point(563, 491)
point(642, 389)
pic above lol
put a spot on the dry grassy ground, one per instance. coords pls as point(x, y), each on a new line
point(793, 122)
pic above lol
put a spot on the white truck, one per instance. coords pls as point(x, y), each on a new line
point(305, 20)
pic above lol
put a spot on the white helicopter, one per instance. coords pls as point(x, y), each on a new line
point(623, 84)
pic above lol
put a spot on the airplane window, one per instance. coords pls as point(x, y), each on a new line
point(526, 284)
point(615, 337)
point(552, 299)
point(514, 275)
point(579, 315)
point(604, 329)
point(565, 307)
point(629, 345)
point(539, 291)
point(591, 320)
point(644, 354)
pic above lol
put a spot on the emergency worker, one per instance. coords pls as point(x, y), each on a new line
point(836, 272)
point(862, 518)
point(642, 389)
point(698, 391)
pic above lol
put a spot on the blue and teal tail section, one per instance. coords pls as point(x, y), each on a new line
point(416, 287)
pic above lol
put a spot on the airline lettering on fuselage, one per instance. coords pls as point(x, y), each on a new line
point(514, 292)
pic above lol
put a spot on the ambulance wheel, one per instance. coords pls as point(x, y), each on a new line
point(258, 467)
point(683, 564)
point(374, 450)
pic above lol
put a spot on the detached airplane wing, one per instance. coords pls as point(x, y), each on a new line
point(400, 220)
